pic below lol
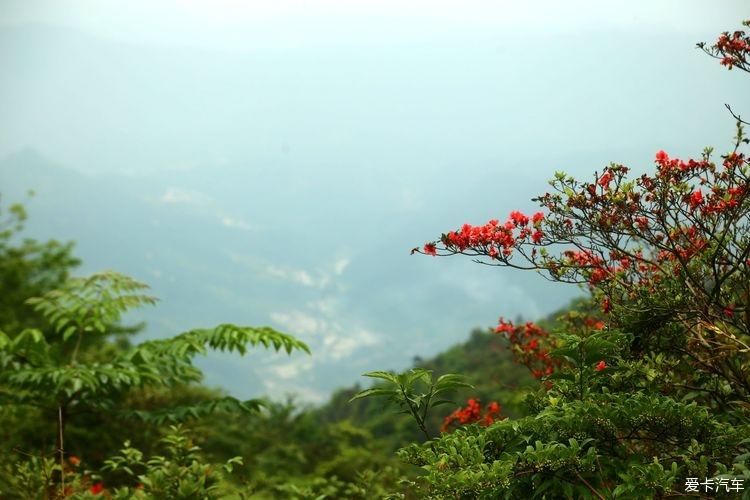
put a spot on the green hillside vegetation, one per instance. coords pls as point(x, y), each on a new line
point(286, 448)
point(282, 442)
point(484, 360)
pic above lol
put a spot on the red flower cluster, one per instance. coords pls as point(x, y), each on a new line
point(637, 212)
point(722, 200)
point(605, 179)
point(530, 345)
point(673, 168)
point(733, 49)
point(623, 238)
point(471, 414)
point(493, 238)
point(722, 196)
point(695, 199)
point(591, 265)
point(96, 488)
point(688, 243)
point(519, 219)
point(600, 366)
point(593, 323)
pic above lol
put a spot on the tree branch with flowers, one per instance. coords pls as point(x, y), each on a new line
point(655, 386)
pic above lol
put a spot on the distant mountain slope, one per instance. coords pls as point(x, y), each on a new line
point(213, 255)
point(486, 362)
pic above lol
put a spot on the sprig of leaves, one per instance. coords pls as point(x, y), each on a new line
point(414, 391)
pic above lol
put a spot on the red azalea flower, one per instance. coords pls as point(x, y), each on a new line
point(96, 488)
point(504, 327)
point(696, 198)
point(493, 408)
point(472, 413)
point(601, 365)
point(642, 222)
point(518, 218)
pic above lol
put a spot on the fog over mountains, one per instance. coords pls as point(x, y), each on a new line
point(286, 186)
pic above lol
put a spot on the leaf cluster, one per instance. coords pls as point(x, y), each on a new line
point(414, 391)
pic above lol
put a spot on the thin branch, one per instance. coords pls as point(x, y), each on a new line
point(591, 488)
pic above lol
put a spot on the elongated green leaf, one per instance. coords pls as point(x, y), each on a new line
point(442, 402)
point(419, 374)
point(373, 393)
point(382, 375)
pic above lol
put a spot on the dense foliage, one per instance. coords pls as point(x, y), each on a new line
point(62, 366)
point(28, 268)
point(650, 396)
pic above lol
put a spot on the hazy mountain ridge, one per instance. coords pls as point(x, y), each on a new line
point(208, 266)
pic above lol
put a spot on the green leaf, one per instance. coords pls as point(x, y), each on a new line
point(374, 392)
point(442, 402)
point(69, 332)
point(416, 374)
point(382, 375)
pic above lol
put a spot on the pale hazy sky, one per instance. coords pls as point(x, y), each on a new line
point(244, 25)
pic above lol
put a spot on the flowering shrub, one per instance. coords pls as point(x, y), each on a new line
point(530, 345)
point(650, 246)
point(655, 387)
point(472, 414)
point(733, 49)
